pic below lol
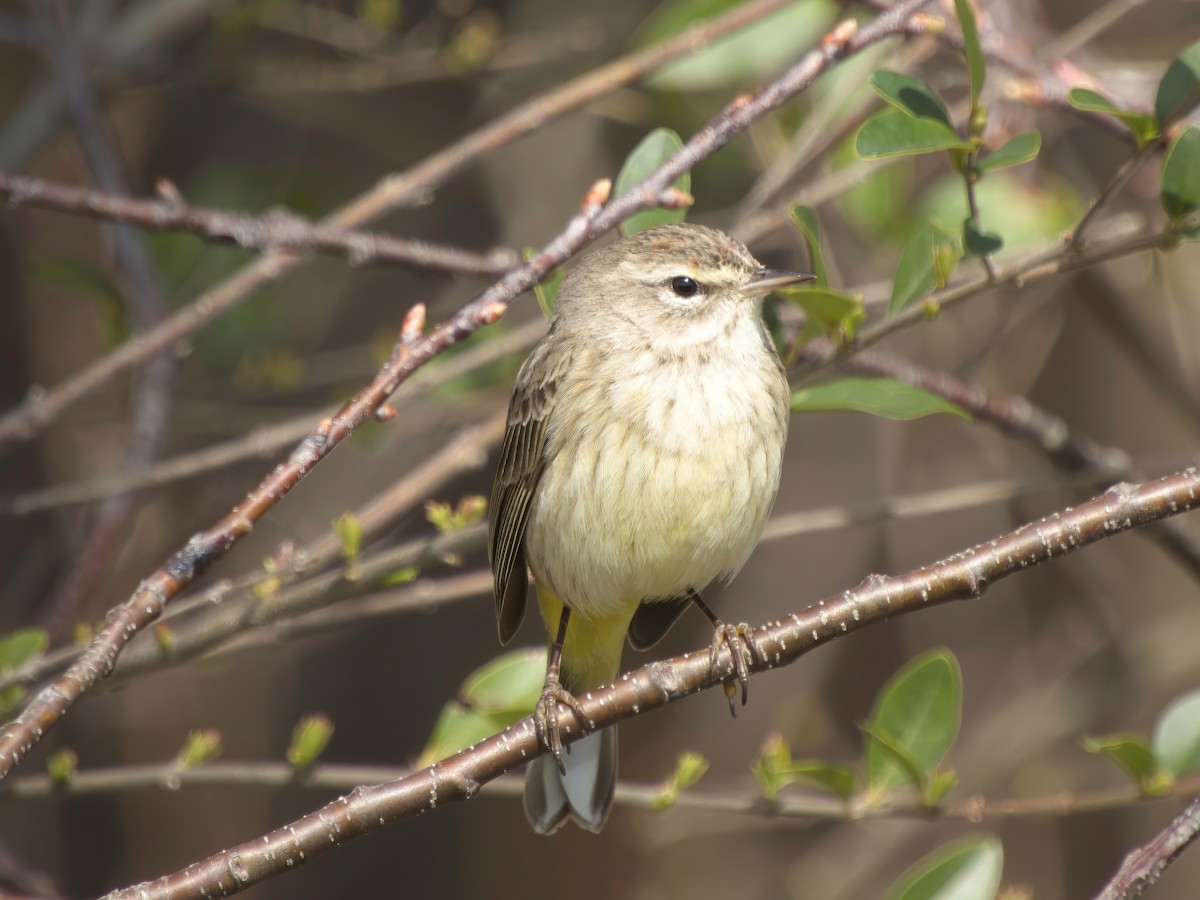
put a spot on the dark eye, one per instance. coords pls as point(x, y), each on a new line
point(684, 286)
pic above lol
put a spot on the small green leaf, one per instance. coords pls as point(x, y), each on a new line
point(894, 133)
point(200, 747)
point(493, 697)
point(939, 786)
point(510, 683)
point(889, 750)
point(448, 520)
point(1132, 755)
point(882, 397)
point(979, 243)
point(967, 870)
point(654, 150)
point(1176, 737)
point(350, 531)
point(920, 707)
point(62, 765)
point(1179, 90)
point(689, 768)
point(546, 290)
point(1141, 125)
point(458, 727)
point(310, 737)
point(21, 648)
point(909, 95)
point(805, 218)
point(928, 259)
point(1181, 175)
point(838, 779)
point(772, 768)
point(1019, 149)
point(976, 65)
point(829, 311)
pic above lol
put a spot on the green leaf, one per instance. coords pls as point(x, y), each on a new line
point(979, 243)
point(1132, 755)
point(878, 396)
point(689, 768)
point(20, 648)
point(1181, 175)
point(829, 311)
point(833, 777)
point(510, 683)
point(921, 708)
point(1179, 90)
point(1019, 149)
point(967, 870)
point(889, 749)
point(310, 737)
point(909, 95)
point(976, 65)
point(654, 150)
point(1176, 737)
point(805, 218)
point(928, 259)
point(349, 531)
point(62, 766)
point(757, 52)
point(201, 746)
point(772, 768)
point(493, 697)
point(939, 786)
point(1141, 125)
point(894, 133)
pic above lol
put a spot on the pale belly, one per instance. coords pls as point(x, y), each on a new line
point(652, 491)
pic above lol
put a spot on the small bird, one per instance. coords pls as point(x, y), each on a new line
point(642, 455)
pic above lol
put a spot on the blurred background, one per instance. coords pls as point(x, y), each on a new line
point(305, 104)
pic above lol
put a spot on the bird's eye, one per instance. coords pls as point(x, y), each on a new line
point(684, 286)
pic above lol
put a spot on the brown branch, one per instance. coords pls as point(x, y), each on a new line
point(790, 805)
point(278, 230)
point(1051, 434)
point(266, 439)
point(1143, 866)
point(43, 406)
point(963, 576)
point(410, 352)
point(142, 297)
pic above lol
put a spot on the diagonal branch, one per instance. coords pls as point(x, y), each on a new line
point(962, 576)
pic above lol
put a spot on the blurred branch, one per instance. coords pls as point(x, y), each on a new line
point(395, 191)
point(277, 230)
point(267, 439)
point(331, 776)
point(1146, 864)
point(412, 350)
point(962, 576)
point(1051, 434)
point(144, 302)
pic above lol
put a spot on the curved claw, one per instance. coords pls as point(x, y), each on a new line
point(545, 718)
point(741, 648)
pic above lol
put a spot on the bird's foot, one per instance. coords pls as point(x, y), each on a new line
point(545, 718)
point(738, 638)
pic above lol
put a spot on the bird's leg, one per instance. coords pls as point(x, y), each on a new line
point(545, 714)
point(741, 648)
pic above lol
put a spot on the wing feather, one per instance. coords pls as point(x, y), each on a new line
point(523, 458)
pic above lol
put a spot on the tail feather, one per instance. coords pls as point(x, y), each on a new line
point(584, 794)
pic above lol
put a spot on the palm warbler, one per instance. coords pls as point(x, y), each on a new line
point(641, 458)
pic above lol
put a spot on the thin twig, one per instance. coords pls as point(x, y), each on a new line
point(963, 576)
point(1119, 180)
point(418, 183)
point(332, 776)
point(1145, 865)
point(277, 230)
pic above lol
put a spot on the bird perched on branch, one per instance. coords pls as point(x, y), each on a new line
point(642, 455)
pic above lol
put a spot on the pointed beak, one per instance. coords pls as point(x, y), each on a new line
point(763, 281)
